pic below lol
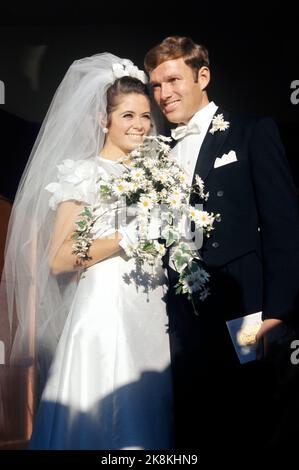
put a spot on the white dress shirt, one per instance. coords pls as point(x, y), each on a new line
point(187, 149)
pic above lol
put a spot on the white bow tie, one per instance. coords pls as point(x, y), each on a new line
point(181, 131)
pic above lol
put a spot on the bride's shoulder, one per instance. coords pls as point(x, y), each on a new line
point(76, 180)
point(76, 171)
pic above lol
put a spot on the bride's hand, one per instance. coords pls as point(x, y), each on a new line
point(129, 233)
point(154, 228)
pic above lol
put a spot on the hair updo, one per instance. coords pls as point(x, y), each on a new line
point(124, 86)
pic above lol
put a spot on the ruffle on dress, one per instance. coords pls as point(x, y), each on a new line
point(76, 181)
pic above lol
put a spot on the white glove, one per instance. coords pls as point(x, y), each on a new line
point(129, 234)
point(154, 227)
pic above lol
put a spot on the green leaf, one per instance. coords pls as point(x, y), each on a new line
point(148, 246)
point(87, 212)
point(81, 223)
point(181, 261)
point(170, 236)
point(184, 247)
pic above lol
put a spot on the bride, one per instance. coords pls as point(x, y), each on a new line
point(103, 331)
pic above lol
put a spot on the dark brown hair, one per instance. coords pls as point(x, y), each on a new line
point(124, 86)
point(175, 47)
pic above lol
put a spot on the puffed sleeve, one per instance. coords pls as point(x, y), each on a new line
point(76, 180)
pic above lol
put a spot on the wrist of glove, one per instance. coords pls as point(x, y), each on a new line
point(129, 233)
point(154, 225)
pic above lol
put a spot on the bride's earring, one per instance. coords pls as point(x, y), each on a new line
point(105, 130)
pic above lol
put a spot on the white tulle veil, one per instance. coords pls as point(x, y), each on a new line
point(37, 301)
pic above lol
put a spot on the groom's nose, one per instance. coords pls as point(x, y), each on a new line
point(165, 90)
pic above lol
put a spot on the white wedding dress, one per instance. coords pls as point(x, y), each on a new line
point(109, 386)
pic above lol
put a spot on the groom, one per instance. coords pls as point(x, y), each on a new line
point(252, 256)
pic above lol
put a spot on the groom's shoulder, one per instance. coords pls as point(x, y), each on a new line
point(249, 120)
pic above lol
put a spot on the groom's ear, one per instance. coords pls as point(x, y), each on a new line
point(203, 77)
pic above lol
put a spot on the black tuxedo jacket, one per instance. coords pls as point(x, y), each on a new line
point(253, 259)
point(253, 253)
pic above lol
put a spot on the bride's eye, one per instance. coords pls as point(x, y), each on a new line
point(128, 115)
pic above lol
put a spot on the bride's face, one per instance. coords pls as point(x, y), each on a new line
point(130, 122)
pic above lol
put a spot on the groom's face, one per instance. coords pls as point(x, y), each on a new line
point(176, 92)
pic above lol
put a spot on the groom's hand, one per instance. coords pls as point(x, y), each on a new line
point(268, 333)
point(274, 341)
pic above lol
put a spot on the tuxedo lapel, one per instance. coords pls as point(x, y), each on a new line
point(210, 149)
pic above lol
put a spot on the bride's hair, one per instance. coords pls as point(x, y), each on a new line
point(124, 86)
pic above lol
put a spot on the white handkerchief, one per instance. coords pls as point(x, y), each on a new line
point(242, 331)
point(226, 158)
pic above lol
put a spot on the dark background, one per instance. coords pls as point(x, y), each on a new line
point(254, 52)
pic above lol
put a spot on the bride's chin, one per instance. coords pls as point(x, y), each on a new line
point(135, 145)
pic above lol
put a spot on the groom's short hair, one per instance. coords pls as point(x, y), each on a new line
point(175, 47)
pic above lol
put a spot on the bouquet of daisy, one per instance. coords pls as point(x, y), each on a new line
point(154, 185)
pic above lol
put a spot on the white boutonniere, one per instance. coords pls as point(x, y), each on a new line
point(219, 124)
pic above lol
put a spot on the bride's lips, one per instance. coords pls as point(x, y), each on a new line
point(135, 136)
